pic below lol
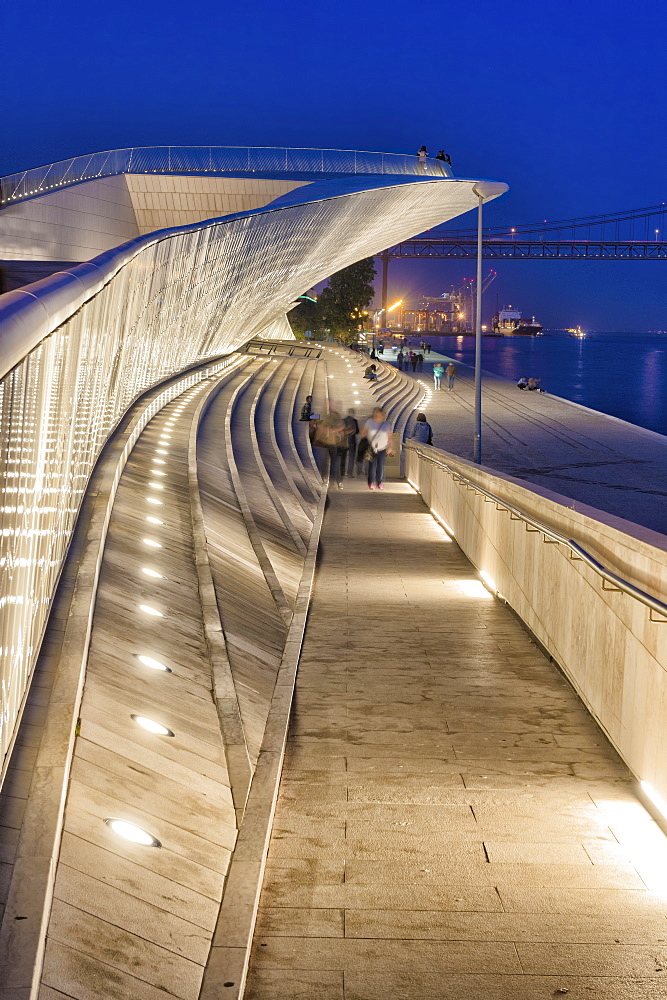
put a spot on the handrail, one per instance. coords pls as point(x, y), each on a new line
point(579, 552)
point(202, 160)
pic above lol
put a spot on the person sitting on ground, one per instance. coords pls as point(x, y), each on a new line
point(522, 383)
point(307, 408)
point(422, 432)
point(371, 372)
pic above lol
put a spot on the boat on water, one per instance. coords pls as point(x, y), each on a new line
point(577, 332)
point(510, 322)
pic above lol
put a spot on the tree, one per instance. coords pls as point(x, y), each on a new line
point(339, 310)
point(343, 301)
point(305, 316)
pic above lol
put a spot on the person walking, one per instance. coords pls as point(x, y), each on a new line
point(450, 372)
point(399, 360)
point(329, 437)
point(438, 372)
point(351, 432)
point(420, 362)
point(413, 360)
point(378, 434)
point(422, 431)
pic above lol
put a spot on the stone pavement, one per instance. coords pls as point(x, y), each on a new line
point(451, 823)
point(560, 446)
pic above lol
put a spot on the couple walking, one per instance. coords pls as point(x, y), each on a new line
point(338, 437)
point(449, 371)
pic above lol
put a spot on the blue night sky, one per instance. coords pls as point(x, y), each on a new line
point(564, 101)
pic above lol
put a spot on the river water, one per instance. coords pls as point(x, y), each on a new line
point(624, 374)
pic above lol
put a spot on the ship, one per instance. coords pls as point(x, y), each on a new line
point(577, 332)
point(510, 322)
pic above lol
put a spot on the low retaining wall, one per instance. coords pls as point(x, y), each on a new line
point(612, 647)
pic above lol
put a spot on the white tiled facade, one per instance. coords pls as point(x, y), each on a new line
point(77, 223)
point(162, 201)
point(82, 221)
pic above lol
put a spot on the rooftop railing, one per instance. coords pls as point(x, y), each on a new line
point(274, 161)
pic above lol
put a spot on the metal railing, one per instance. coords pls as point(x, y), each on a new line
point(577, 551)
point(275, 161)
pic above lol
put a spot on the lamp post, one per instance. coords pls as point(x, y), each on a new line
point(477, 444)
point(375, 326)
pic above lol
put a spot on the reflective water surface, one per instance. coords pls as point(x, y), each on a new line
point(624, 374)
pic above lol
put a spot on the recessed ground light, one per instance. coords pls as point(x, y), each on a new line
point(473, 588)
point(154, 500)
point(161, 451)
point(152, 727)
point(156, 486)
point(153, 544)
point(149, 661)
point(160, 461)
point(157, 472)
point(148, 610)
point(152, 572)
point(154, 520)
point(133, 833)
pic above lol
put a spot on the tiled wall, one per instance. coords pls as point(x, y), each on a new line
point(77, 223)
point(161, 201)
point(82, 221)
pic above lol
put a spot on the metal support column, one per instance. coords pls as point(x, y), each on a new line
point(477, 447)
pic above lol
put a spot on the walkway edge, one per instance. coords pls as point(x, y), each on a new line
point(230, 952)
point(222, 681)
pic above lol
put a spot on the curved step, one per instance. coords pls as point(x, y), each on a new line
point(261, 417)
point(254, 534)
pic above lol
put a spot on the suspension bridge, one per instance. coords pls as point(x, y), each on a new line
point(633, 234)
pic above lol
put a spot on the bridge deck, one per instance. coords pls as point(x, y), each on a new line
point(451, 822)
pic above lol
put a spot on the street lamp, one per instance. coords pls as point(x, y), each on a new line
point(477, 441)
point(376, 325)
